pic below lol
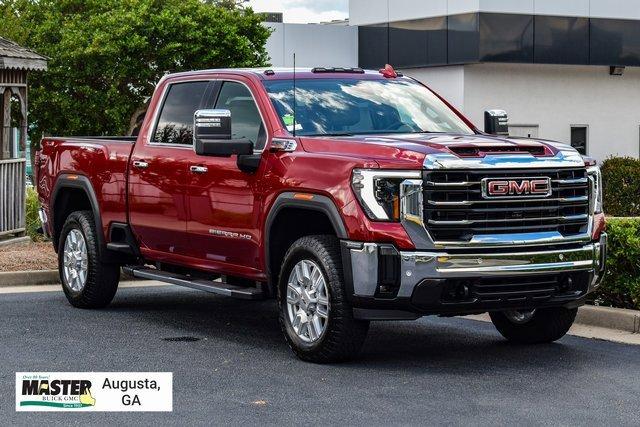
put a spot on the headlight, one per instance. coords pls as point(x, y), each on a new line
point(595, 178)
point(378, 191)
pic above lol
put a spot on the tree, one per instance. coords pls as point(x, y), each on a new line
point(107, 55)
point(229, 4)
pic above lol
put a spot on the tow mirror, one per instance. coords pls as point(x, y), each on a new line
point(212, 135)
point(496, 122)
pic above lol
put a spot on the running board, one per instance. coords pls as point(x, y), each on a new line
point(219, 288)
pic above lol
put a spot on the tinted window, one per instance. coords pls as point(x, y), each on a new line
point(245, 117)
point(463, 39)
point(175, 124)
point(418, 43)
point(615, 42)
point(561, 40)
point(437, 41)
point(506, 38)
point(579, 139)
point(373, 46)
point(408, 43)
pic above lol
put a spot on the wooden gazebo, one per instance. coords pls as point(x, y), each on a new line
point(15, 64)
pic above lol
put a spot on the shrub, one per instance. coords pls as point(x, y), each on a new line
point(621, 285)
point(32, 220)
point(621, 179)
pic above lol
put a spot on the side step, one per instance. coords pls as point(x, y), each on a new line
point(219, 288)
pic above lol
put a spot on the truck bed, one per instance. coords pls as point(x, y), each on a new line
point(101, 160)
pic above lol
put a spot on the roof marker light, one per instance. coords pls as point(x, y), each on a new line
point(389, 72)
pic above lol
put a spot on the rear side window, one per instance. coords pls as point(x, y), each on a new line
point(175, 122)
point(245, 117)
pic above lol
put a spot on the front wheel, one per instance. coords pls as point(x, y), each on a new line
point(87, 281)
point(315, 316)
point(534, 326)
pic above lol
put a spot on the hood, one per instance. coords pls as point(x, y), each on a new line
point(410, 149)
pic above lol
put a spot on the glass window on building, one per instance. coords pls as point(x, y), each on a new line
point(579, 138)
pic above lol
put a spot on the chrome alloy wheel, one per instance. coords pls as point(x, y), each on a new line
point(307, 301)
point(75, 266)
point(520, 317)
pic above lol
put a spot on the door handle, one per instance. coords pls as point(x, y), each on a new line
point(199, 169)
point(140, 164)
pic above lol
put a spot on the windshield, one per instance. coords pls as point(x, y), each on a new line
point(350, 106)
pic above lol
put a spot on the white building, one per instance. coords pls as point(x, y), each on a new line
point(315, 45)
point(547, 62)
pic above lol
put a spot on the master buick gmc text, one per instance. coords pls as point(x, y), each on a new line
point(347, 195)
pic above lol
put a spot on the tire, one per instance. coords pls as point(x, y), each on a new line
point(545, 325)
point(343, 336)
point(101, 280)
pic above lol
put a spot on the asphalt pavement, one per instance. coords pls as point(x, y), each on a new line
point(231, 366)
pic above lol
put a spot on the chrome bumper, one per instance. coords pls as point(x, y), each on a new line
point(417, 266)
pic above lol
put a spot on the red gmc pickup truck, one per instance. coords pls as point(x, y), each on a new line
point(348, 195)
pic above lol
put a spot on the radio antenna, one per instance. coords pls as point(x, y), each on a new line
point(295, 104)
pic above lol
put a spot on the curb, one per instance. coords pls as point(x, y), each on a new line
point(39, 277)
point(29, 278)
point(15, 241)
point(611, 318)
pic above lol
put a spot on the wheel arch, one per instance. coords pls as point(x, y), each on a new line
point(320, 216)
point(74, 193)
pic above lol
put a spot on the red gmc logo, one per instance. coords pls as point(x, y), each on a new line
point(517, 187)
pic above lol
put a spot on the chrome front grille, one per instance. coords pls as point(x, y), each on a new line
point(455, 210)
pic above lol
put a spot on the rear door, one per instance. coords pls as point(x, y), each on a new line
point(159, 175)
point(224, 202)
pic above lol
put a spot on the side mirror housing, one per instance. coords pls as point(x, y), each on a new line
point(212, 135)
point(496, 122)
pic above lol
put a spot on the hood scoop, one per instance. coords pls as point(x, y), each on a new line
point(536, 150)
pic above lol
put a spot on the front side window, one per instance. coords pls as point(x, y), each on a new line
point(352, 106)
point(175, 123)
point(246, 122)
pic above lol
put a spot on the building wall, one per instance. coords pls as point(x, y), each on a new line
point(315, 45)
point(366, 12)
point(447, 82)
point(551, 97)
point(556, 97)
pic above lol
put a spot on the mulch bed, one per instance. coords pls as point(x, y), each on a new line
point(31, 256)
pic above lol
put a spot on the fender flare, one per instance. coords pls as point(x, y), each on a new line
point(318, 203)
point(80, 182)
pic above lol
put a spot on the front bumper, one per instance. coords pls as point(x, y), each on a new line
point(44, 222)
point(384, 283)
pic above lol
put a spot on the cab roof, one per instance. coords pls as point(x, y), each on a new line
point(281, 73)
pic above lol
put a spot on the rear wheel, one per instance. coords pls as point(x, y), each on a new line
point(315, 316)
point(534, 326)
point(87, 282)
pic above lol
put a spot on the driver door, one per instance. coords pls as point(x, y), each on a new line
point(223, 203)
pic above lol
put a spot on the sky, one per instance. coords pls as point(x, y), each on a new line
point(304, 11)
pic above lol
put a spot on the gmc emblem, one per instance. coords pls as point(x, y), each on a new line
point(514, 188)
